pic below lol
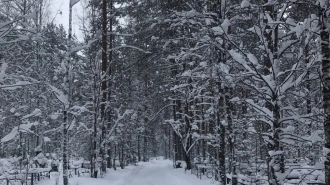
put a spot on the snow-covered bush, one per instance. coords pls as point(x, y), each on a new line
point(41, 161)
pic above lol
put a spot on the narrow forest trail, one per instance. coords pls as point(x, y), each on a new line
point(161, 172)
point(155, 172)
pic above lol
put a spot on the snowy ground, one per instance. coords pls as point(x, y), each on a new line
point(155, 172)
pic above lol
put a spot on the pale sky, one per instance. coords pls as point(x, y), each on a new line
point(78, 11)
point(63, 6)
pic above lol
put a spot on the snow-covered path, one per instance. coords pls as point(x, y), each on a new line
point(161, 172)
point(155, 172)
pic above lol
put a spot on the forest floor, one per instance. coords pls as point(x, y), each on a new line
point(155, 172)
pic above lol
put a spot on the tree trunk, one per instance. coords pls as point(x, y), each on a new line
point(66, 105)
point(187, 160)
point(165, 143)
point(104, 85)
point(109, 162)
point(145, 145)
point(65, 145)
point(231, 135)
point(139, 148)
point(271, 39)
point(114, 157)
point(169, 143)
point(326, 89)
point(122, 156)
point(222, 143)
point(109, 82)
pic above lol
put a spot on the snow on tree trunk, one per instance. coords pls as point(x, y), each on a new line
point(65, 149)
point(275, 155)
point(93, 154)
point(221, 134)
point(189, 139)
point(109, 83)
point(66, 106)
point(231, 134)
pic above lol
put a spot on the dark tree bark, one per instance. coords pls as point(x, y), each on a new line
point(139, 147)
point(109, 82)
point(231, 134)
point(189, 140)
point(326, 88)
point(104, 84)
point(273, 143)
point(222, 143)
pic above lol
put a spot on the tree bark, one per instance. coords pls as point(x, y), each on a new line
point(139, 147)
point(189, 140)
point(221, 133)
point(231, 134)
point(66, 105)
point(326, 88)
point(109, 82)
point(104, 84)
point(273, 144)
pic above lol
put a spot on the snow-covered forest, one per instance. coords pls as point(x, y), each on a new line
point(239, 89)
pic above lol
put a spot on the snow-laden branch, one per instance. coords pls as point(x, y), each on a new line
point(150, 119)
point(36, 112)
point(192, 145)
point(78, 48)
point(121, 34)
point(129, 46)
point(176, 126)
point(296, 118)
point(119, 118)
point(266, 112)
point(239, 58)
point(15, 86)
point(63, 98)
point(17, 129)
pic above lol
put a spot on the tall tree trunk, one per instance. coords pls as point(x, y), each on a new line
point(104, 84)
point(175, 108)
point(145, 145)
point(95, 97)
point(122, 155)
point(188, 131)
point(114, 157)
point(231, 134)
point(275, 161)
point(66, 106)
point(221, 133)
point(109, 83)
point(139, 147)
point(178, 138)
point(145, 121)
point(267, 65)
point(65, 147)
point(169, 143)
point(218, 7)
point(326, 88)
